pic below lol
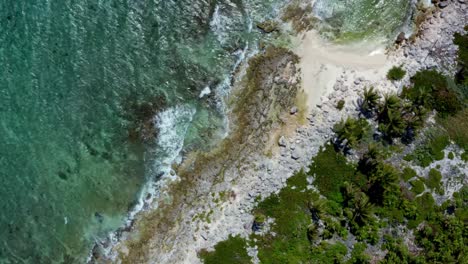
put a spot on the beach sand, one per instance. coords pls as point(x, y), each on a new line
point(323, 62)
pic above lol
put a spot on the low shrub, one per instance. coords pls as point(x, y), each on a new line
point(396, 73)
point(408, 173)
point(464, 156)
point(417, 186)
point(231, 251)
point(431, 150)
point(331, 170)
point(432, 90)
point(456, 127)
point(451, 156)
point(340, 105)
point(433, 181)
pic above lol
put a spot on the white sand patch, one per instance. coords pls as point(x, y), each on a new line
point(323, 62)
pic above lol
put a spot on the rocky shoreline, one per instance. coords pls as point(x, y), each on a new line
point(217, 192)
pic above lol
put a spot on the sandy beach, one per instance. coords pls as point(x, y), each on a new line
point(323, 62)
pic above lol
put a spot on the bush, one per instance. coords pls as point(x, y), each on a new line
point(396, 73)
point(431, 150)
point(325, 253)
point(340, 105)
point(351, 132)
point(230, 251)
point(456, 127)
point(431, 90)
point(462, 42)
point(433, 181)
point(464, 156)
point(408, 173)
point(358, 255)
point(293, 220)
point(331, 170)
point(417, 186)
point(451, 156)
point(447, 102)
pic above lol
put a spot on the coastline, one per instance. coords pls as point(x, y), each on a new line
point(225, 203)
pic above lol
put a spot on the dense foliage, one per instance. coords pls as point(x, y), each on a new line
point(230, 251)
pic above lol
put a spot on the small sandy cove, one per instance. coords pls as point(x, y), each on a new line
point(322, 62)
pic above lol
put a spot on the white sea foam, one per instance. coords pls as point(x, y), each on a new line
point(219, 25)
point(172, 125)
point(206, 91)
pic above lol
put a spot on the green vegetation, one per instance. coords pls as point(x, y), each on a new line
point(408, 173)
point(351, 132)
point(369, 102)
point(451, 156)
point(331, 170)
point(230, 251)
point(431, 150)
point(462, 42)
point(396, 73)
point(418, 186)
point(340, 105)
point(456, 127)
point(433, 181)
point(368, 197)
point(431, 90)
point(290, 209)
point(464, 156)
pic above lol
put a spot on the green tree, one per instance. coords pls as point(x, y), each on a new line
point(369, 102)
point(394, 125)
point(391, 103)
point(371, 159)
point(349, 133)
point(384, 188)
point(316, 208)
point(362, 209)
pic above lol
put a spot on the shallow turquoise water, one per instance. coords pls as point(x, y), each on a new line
point(82, 83)
point(355, 20)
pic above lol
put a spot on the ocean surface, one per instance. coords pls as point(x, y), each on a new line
point(99, 98)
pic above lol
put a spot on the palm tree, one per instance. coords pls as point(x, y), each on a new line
point(344, 131)
point(350, 191)
point(350, 132)
point(383, 180)
point(391, 103)
point(312, 232)
point(421, 96)
point(394, 125)
point(414, 120)
point(362, 209)
point(317, 209)
point(370, 160)
point(369, 101)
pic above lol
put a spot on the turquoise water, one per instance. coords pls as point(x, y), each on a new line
point(355, 20)
point(81, 86)
point(98, 99)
